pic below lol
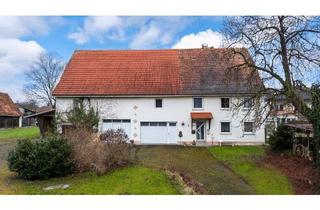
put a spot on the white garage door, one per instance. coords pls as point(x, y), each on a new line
point(125, 124)
point(159, 133)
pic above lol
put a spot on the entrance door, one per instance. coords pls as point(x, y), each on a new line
point(200, 130)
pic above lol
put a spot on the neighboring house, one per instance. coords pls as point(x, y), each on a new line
point(285, 113)
point(163, 96)
point(10, 115)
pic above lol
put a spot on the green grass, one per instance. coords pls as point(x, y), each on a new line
point(19, 133)
point(244, 162)
point(197, 163)
point(135, 180)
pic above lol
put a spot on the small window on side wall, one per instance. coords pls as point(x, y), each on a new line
point(158, 103)
point(225, 103)
point(77, 102)
point(248, 127)
point(197, 102)
point(225, 127)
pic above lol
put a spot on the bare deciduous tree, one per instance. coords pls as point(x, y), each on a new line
point(43, 77)
point(285, 52)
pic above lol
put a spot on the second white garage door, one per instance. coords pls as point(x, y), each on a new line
point(159, 133)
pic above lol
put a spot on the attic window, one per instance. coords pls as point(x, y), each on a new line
point(158, 103)
point(248, 103)
point(197, 102)
point(225, 103)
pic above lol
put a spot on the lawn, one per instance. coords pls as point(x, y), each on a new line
point(135, 180)
point(220, 170)
point(18, 133)
point(197, 163)
point(244, 161)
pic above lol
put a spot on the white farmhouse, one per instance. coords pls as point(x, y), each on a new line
point(164, 96)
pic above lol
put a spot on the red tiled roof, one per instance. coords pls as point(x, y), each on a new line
point(148, 72)
point(7, 107)
point(201, 115)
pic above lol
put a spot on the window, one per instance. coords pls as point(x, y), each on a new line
point(158, 103)
point(154, 123)
point(248, 103)
point(172, 124)
point(144, 123)
point(77, 102)
point(248, 127)
point(225, 127)
point(162, 124)
point(84, 101)
point(116, 121)
point(225, 103)
point(197, 102)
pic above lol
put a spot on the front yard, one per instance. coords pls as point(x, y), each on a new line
point(215, 170)
point(133, 180)
point(246, 162)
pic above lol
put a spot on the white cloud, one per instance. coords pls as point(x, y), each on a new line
point(158, 31)
point(139, 32)
point(212, 38)
point(145, 38)
point(16, 57)
point(99, 27)
point(16, 26)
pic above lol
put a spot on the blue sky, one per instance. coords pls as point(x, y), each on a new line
point(58, 38)
point(22, 39)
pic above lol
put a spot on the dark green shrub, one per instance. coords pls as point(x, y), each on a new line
point(281, 139)
point(41, 159)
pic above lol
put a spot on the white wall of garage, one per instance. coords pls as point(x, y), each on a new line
point(175, 109)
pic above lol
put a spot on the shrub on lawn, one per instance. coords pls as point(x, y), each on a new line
point(98, 154)
point(281, 139)
point(41, 159)
point(117, 146)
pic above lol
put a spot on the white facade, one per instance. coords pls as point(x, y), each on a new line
point(175, 112)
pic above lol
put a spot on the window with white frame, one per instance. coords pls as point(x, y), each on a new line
point(248, 103)
point(198, 102)
point(225, 102)
point(158, 103)
point(225, 127)
point(77, 102)
point(248, 127)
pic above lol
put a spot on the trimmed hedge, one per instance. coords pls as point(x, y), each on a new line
point(41, 159)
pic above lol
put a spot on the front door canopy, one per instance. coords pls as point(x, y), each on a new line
point(201, 116)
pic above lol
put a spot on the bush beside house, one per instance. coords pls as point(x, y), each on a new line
point(90, 151)
point(41, 159)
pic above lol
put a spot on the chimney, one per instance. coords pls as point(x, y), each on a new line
point(204, 46)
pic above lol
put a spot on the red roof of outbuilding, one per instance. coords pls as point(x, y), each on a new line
point(151, 72)
point(7, 107)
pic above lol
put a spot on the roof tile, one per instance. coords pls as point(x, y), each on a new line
point(148, 72)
